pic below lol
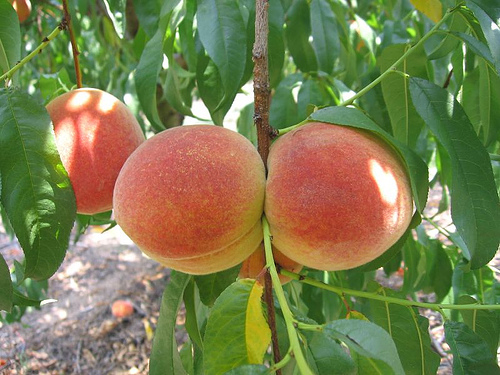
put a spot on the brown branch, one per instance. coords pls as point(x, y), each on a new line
point(448, 79)
point(261, 79)
point(262, 100)
point(74, 46)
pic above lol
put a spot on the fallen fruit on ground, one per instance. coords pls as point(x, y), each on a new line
point(95, 134)
point(336, 197)
point(192, 198)
point(23, 9)
point(122, 308)
point(253, 266)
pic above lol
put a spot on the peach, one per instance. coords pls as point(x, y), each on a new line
point(253, 266)
point(192, 198)
point(122, 308)
point(336, 197)
point(95, 133)
point(23, 9)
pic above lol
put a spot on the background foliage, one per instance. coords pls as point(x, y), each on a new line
point(437, 104)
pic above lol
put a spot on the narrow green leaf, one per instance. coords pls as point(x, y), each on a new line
point(164, 351)
point(310, 95)
point(485, 324)
point(476, 46)
point(116, 12)
point(410, 333)
point(326, 42)
point(367, 340)
point(448, 42)
point(441, 272)
point(191, 325)
point(149, 67)
point(6, 290)
point(276, 43)
point(283, 111)
point(416, 166)
point(223, 35)
point(327, 357)
point(212, 285)
point(10, 37)
point(249, 370)
point(237, 332)
point(488, 15)
point(406, 124)
point(36, 192)
point(489, 97)
point(19, 299)
point(245, 124)
point(471, 354)
point(297, 32)
point(148, 13)
point(475, 206)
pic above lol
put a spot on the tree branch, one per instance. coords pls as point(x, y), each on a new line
point(74, 46)
point(264, 132)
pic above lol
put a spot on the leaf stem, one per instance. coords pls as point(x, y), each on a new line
point(74, 45)
point(377, 297)
point(8, 75)
point(296, 350)
point(379, 79)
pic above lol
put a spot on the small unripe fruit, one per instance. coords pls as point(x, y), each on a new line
point(253, 266)
point(122, 308)
point(192, 197)
point(95, 134)
point(336, 197)
point(23, 9)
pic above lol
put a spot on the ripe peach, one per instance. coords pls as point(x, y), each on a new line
point(255, 263)
point(122, 308)
point(95, 133)
point(336, 197)
point(191, 197)
point(23, 9)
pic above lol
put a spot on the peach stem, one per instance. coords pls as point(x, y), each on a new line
point(295, 348)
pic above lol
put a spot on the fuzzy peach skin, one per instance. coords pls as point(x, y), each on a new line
point(336, 197)
point(192, 197)
point(23, 9)
point(253, 266)
point(95, 134)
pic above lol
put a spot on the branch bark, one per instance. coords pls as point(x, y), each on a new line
point(74, 46)
point(264, 133)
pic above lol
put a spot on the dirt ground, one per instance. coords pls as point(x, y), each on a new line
point(77, 334)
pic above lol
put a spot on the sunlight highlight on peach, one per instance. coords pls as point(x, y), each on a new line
point(386, 182)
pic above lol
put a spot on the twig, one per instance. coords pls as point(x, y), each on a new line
point(264, 132)
point(74, 46)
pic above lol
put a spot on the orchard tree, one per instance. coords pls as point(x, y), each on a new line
point(274, 235)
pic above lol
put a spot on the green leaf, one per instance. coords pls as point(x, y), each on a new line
point(212, 285)
point(326, 42)
point(410, 333)
point(475, 206)
point(406, 124)
point(276, 43)
point(471, 354)
point(149, 67)
point(10, 37)
point(369, 341)
point(441, 273)
point(19, 299)
point(148, 13)
point(476, 46)
point(190, 300)
point(488, 15)
point(249, 370)
point(116, 12)
point(431, 8)
point(283, 111)
point(297, 32)
point(489, 110)
point(245, 124)
point(164, 354)
point(6, 290)
point(310, 95)
point(485, 324)
point(448, 41)
point(327, 357)
point(415, 165)
point(237, 332)
point(223, 35)
point(36, 192)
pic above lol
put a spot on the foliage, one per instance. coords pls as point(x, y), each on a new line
point(424, 75)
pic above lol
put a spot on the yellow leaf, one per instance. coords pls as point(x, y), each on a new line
point(258, 334)
point(431, 8)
